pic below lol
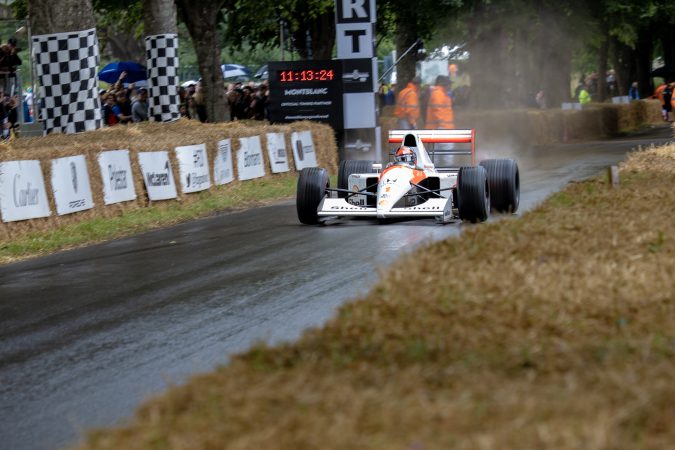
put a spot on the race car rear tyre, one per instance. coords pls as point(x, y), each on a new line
point(349, 167)
point(504, 181)
point(473, 193)
point(312, 186)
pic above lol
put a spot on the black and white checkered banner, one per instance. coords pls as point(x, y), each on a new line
point(162, 62)
point(67, 66)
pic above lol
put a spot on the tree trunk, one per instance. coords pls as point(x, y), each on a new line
point(121, 46)
point(643, 52)
point(405, 37)
point(201, 18)
point(322, 37)
point(56, 16)
point(161, 31)
point(159, 17)
point(602, 68)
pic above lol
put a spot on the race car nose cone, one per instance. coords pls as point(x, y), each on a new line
point(394, 184)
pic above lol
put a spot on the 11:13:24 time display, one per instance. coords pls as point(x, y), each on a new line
point(306, 75)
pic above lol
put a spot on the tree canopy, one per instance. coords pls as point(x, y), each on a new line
point(515, 47)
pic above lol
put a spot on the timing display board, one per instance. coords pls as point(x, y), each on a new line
point(306, 90)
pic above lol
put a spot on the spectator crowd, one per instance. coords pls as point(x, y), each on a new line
point(124, 103)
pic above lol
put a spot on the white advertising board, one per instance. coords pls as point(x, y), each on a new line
point(303, 149)
point(223, 172)
point(276, 150)
point(250, 163)
point(194, 168)
point(157, 175)
point(22, 191)
point(118, 181)
point(70, 183)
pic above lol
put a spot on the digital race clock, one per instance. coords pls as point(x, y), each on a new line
point(306, 75)
point(305, 90)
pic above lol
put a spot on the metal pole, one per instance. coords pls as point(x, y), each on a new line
point(417, 42)
point(281, 37)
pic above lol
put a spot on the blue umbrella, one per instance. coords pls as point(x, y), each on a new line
point(111, 72)
point(235, 70)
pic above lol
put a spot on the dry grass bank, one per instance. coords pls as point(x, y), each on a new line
point(556, 330)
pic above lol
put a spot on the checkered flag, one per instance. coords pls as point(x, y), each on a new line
point(162, 62)
point(67, 66)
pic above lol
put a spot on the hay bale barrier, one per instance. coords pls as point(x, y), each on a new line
point(511, 337)
point(148, 136)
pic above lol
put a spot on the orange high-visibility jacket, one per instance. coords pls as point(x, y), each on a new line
point(439, 110)
point(408, 104)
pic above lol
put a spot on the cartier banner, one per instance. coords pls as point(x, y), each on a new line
point(22, 191)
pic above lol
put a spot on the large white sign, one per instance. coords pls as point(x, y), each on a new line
point(22, 191)
point(157, 175)
point(250, 158)
point(118, 181)
point(70, 183)
point(194, 168)
point(223, 172)
point(354, 40)
point(354, 28)
point(303, 149)
point(276, 150)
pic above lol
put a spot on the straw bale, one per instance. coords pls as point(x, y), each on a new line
point(525, 127)
point(143, 137)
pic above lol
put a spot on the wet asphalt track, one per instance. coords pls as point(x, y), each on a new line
point(85, 335)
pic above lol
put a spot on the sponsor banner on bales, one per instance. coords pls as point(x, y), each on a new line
point(276, 149)
point(157, 175)
point(118, 181)
point(250, 158)
point(22, 191)
point(193, 166)
point(223, 171)
point(303, 149)
point(70, 183)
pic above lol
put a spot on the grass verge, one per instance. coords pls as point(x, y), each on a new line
point(234, 196)
point(556, 330)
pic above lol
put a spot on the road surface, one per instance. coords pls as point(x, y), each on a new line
point(87, 334)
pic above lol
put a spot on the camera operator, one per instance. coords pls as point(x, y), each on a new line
point(9, 57)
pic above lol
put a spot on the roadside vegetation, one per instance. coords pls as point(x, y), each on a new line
point(231, 197)
point(555, 330)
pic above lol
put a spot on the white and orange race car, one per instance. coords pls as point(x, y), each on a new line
point(415, 184)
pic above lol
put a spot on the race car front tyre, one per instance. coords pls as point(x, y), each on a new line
point(504, 181)
point(349, 167)
point(473, 194)
point(312, 186)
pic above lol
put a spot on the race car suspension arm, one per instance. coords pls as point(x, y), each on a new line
point(430, 191)
point(353, 193)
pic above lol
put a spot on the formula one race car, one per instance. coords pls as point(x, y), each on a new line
point(413, 185)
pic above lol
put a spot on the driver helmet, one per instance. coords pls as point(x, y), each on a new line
point(406, 155)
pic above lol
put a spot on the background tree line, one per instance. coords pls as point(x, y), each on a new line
point(516, 47)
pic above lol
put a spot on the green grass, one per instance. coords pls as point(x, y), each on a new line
point(219, 199)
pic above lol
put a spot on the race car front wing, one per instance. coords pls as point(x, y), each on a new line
point(434, 207)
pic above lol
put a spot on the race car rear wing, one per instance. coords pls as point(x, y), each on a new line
point(440, 137)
